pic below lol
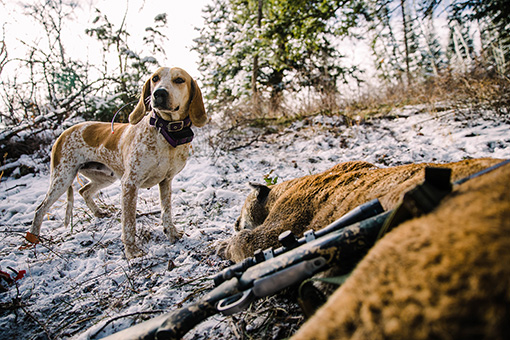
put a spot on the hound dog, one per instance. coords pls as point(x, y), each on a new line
point(151, 149)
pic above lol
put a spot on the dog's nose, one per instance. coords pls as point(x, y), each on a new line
point(160, 97)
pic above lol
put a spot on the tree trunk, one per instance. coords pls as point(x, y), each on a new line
point(255, 72)
point(406, 44)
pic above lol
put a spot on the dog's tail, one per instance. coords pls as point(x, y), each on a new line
point(69, 207)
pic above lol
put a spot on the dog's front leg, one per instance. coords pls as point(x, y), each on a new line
point(128, 219)
point(165, 197)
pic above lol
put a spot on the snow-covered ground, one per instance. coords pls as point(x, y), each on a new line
point(79, 283)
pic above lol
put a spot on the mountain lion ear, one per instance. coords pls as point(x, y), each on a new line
point(143, 105)
point(262, 191)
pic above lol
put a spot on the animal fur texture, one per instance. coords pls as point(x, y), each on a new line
point(136, 153)
point(445, 275)
point(313, 202)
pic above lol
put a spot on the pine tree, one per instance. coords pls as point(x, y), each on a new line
point(493, 19)
point(261, 48)
point(389, 57)
point(460, 45)
point(431, 53)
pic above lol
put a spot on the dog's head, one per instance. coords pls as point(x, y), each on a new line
point(174, 95)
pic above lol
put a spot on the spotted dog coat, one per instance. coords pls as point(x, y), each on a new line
point(136, 153)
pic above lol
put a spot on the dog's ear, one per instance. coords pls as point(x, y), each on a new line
point(196, 106)
point(143, 104)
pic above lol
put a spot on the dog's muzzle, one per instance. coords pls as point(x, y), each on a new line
point(160, 98)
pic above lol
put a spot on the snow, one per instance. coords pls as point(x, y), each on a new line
point(78, 279)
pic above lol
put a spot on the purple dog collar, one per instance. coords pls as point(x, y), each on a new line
point(176, 133)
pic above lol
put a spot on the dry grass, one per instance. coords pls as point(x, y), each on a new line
point(479, 89)
point(468, 93)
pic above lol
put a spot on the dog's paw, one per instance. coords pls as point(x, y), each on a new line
point(102, 214)
point(133, 252)
point(172, 233)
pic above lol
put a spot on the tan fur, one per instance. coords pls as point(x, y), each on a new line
point(136, 153)
point(445, 275)
point(313, 202)
point(101, 134)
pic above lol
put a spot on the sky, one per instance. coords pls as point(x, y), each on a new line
point(183, 17)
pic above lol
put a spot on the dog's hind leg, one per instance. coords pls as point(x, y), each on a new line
point(88, 191)
point(58, 186)
point(100, 177)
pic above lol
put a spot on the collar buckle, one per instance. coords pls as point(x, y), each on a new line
point(175, 133)
point(175, 126)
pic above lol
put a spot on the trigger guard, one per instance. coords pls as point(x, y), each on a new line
point(236, 303)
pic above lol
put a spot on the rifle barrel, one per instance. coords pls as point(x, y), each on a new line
point(360, 213)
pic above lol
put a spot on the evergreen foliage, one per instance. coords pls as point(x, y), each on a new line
point(493, 20)
point(291, 41)
point(252, 51)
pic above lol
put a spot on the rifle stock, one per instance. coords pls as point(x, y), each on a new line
point(175, 324)
point(184, 319)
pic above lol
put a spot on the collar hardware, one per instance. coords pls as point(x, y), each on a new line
point(175, 132)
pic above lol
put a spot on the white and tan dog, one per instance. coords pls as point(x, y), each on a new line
point(138, 153)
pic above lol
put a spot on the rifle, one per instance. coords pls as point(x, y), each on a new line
point(341, 244)
point(240, 284)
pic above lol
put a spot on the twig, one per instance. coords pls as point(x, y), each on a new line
point(195, 292)
point(130, 282)
point(237, 328)
point(14, 187)
point(78, 284)
point(43, 244)
point(202, 278)
point(66, 322)
point(123, 316)
point(21, 232)
point(435, 117)
point(149, 213)
point(256, 139)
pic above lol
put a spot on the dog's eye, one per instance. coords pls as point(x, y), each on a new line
point(178, 80)
point(155, 78)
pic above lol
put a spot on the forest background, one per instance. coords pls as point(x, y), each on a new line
point(260, 60)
